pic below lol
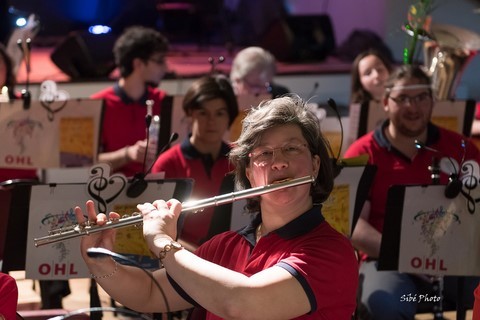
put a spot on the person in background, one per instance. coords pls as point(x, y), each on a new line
point(211, 106)
point(252, 72)
point(140, 56)
point(370, 70)
point(408, 103)
point(289, 263)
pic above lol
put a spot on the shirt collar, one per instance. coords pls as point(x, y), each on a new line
point(190, 152)
point(297, 227)
point(433, 135)
point(126, 99)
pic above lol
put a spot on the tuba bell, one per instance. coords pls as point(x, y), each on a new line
point(446, 55)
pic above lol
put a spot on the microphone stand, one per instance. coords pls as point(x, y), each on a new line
point(26, 95)
point(214, 64)
point(437, 282)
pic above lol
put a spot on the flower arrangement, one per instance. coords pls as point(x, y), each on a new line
point(417, 27)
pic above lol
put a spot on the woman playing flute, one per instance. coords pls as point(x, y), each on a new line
point(289, 263)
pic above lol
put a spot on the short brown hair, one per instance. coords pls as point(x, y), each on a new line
point(288, 109)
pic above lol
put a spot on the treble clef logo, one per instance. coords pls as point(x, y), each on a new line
point(470, 173)
point(105, 188)
point(52, 99)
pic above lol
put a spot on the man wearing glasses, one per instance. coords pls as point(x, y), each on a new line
point(393, 148)
point(140, 57)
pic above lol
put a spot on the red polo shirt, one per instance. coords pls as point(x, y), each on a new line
point(123, 122)
point(320, 258)
point(8, 296)
point(184, 161)
point(394, 168)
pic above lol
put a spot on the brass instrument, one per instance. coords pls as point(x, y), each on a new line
point(446, 55)
point(197, 205)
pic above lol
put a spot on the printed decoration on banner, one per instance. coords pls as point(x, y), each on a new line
point(23, 129)
point(52, 99)
point(52, 209)
point(439, 236)
point(103, 187)
point(434, 224)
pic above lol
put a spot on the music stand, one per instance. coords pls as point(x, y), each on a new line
point(409, 207)
point(350, 191)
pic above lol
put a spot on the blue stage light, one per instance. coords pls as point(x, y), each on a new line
point(99, 29)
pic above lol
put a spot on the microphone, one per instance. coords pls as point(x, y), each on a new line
point(139, 184)
point(102, 252)
point(337, 167)
point(25, 49)
point(454, 185)
point(314, 89)
point(214, 64)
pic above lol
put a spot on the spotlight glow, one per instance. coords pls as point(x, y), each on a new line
point(99, 29)
point(21, 22)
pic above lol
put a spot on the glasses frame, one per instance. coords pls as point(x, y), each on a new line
point(254, 155)
point(419, 99)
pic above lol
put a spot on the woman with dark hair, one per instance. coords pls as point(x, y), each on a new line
point(370, 70)
point(288, 263)
point(210, 106)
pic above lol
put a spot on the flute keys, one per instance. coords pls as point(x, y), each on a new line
point(137, 225)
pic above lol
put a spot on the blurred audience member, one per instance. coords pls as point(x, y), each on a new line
point(252, 72)
point(370, 70)
point(140, 56)
point(211, 106)
point(408, 102)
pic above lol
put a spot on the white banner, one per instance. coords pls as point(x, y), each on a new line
point(51, 208)
point(50, 134)
point(439, 236)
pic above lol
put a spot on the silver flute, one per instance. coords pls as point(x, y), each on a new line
point(84, 229)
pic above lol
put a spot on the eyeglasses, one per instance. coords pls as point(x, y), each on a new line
point(265, 155)
point(419, 99)
point(265, 87)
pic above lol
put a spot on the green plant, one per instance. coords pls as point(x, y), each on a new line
point(418, 22)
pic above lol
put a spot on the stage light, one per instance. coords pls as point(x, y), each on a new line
point(19, 17)
point(21, 22)
point(99, 29)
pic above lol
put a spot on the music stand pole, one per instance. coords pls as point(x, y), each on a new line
point(437, 280)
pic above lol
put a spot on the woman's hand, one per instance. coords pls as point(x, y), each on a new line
point(104, 239)
point(160, 221)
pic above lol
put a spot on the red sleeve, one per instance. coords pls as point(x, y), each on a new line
point(8, 296)
point(359, 147)
point(477, 111)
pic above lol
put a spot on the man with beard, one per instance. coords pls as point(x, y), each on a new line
point(408, 103)
point(140, 56)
